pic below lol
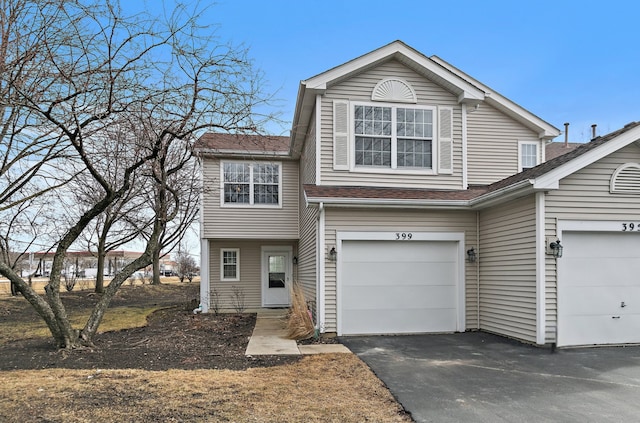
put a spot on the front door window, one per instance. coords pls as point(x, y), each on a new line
point(277, 271)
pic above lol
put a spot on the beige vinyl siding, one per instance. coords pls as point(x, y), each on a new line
point(492, 145)
point(250, 279)
point(585, 195)
point(307, 276)
point(308, 157)
point(359, 88)
point(370, 220)
point(508, 269)
point(251, 221)
point(250, 257)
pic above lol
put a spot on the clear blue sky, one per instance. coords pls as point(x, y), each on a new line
point(565, 61)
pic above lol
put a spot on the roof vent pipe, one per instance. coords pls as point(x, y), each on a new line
point(593, 131)
point(566, 134)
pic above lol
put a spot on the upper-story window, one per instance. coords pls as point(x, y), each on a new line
point(528, 155)
point(393, 136)
point(251, 183)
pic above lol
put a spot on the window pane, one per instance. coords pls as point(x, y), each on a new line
point(236, 193)
point(414, 123)
point(529, 155)
point(266, 182)
point(373, 151)
point(372, 120)
point(414, 153)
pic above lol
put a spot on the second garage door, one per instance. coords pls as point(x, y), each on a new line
point(599, 288)
point(398, 287)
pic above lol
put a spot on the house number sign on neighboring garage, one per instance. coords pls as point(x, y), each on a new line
point(406, 236)
point(626, 227)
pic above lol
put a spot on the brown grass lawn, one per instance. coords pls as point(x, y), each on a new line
point(327, 388)
point(322, 388)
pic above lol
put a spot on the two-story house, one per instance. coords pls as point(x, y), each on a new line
point(412, 198)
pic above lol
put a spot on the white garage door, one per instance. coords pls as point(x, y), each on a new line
point(599, 288)
point(398, 287)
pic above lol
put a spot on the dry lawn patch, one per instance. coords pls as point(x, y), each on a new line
point(324, 388)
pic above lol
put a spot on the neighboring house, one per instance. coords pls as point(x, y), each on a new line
point(411, 198)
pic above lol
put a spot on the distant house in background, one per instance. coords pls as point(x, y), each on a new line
point(84, 263)
point(412, 198)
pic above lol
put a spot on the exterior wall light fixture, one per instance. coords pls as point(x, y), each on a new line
point(333, 254)
point(295, 259)
point(471, 255)
point(556, 249)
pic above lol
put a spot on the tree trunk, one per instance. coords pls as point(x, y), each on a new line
point(100, 275)
point(156, 267)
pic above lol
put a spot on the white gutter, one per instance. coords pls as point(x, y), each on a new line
point(404, 203)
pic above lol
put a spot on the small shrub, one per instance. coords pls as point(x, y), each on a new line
point(237, 299)
point(70, 282)
point(215, 301)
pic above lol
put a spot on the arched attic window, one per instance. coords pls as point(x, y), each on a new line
point(394, 90)
point(626, 179)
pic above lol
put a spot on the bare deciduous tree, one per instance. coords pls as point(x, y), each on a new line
point(79, 70)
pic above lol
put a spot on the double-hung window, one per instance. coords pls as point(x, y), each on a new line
point(251, 183)
point(230, 264)
point(393, 137)
point(528, 155)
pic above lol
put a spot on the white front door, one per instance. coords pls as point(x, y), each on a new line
point(276, 276)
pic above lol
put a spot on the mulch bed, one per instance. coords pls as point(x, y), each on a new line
point(174, 338)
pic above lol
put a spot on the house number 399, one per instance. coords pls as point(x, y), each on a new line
point(404, 236)
point(630, 227)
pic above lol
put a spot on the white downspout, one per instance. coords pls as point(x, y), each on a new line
point(541, 309)
point(205, 292)
point(320, 295)
point(478, 270)
point(465, 173)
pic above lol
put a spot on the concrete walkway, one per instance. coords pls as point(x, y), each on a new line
point(270, 338)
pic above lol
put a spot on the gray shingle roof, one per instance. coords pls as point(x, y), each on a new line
point(243, 143)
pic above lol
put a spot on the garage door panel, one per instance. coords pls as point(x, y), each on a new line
point(403, 296)
point(398, 287)
point(597, 273)
point(372, 274)
point(595, 300)
point(605, 245)
point(603, 270)
point(401, 251)
point(609, 330)
point(385, 321)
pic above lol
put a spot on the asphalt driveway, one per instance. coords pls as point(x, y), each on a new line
point(479, 377)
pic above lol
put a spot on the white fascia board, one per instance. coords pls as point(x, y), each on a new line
point(305, 104)
point(322, 81)
point(403, 203)
point(545, 130)
point(551, 179)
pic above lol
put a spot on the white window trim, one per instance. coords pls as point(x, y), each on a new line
point(520, 145)
point(251, 204)
point(394, 151)
point(237, 251)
